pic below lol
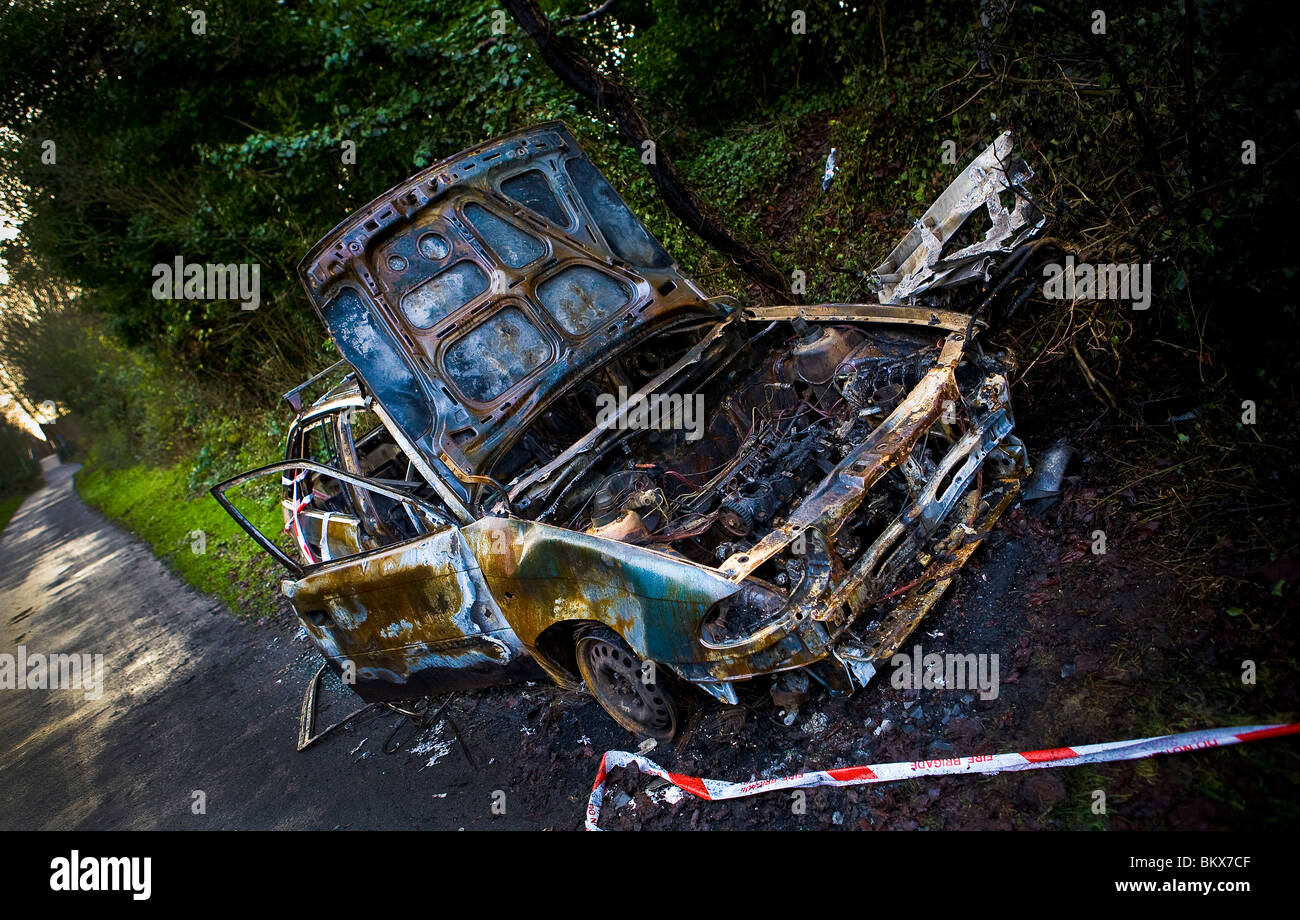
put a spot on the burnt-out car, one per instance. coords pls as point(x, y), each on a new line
point(547, 447)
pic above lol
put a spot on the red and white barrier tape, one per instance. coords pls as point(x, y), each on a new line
point(293, 523)
point(717, 790)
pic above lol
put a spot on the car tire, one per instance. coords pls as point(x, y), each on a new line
point(615, 676)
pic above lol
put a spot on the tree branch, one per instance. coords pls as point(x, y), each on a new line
point(607, 93)
point(590, 14)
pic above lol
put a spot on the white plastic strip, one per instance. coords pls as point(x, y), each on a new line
point(325, 537)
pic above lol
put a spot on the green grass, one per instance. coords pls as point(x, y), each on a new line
point(9, 505)
point(157, 505)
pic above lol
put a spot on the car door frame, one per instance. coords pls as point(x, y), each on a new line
point(479, 636)
point(297, 569)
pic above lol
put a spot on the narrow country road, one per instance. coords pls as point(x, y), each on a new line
point(195, 700)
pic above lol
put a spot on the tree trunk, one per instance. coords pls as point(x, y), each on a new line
point(580, 75)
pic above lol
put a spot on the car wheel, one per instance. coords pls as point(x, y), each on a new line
point(615, 677)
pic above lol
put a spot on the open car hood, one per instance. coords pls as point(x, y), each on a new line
point(474, 294)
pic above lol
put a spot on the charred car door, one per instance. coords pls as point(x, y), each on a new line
point(408, 617)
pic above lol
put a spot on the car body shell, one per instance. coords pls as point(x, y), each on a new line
point(480, 587)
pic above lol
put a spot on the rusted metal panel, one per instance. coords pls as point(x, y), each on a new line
point(417, 614)
point(544, 575)
point(924, 260)
point(481, 288)
point(948, 320)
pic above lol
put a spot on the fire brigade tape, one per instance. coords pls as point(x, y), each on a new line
point(716, 790)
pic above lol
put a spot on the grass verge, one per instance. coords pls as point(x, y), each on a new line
point(11, 504)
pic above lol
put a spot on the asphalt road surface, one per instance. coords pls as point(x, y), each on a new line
point(195, 700)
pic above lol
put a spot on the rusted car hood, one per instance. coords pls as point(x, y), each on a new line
point(476, 293)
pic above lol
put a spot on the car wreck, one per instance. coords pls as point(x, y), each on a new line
point(546, 447)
